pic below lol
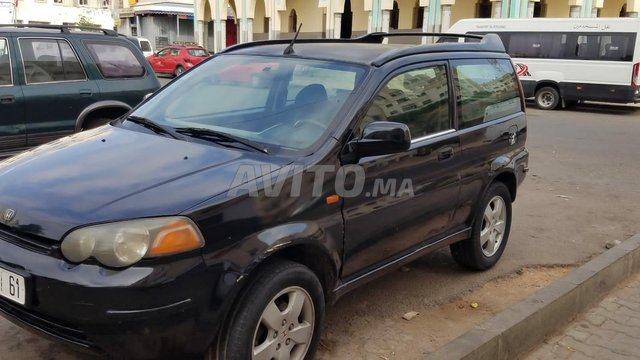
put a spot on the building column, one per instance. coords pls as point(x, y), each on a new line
point(200, 35)
point(242, 38)
point(369, 22)
point(530, 9)
point(249, 30)
point(386, 18)
point(574, 11)
point(337, 25)
point(496, 11)
point(445, 22)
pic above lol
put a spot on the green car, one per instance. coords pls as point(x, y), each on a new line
point(57, 80)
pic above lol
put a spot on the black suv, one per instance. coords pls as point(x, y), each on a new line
point(56, 80)
point(223, 213)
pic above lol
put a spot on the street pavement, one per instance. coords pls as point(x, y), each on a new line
point(611, 330)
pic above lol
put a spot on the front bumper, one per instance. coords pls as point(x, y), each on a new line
point(153, 310)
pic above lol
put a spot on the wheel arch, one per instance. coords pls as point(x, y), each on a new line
point(544, 83)
point(509, 179)
point(107, 108)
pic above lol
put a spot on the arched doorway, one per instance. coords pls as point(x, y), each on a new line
point(346, 24)
point(418, 16)
point(483, 9)
point(232, 24)
point(293, 21)
point(394, 20)
point(260, 22)
point(540, 9)
point(623, 11)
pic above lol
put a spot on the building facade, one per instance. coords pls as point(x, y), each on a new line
point(273, 19)
point(59, 12)
point(162, 22)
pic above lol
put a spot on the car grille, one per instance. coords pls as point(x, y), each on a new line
point(34, 243)
point(23, 316)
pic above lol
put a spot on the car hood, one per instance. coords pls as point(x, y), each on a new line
point(112, 173)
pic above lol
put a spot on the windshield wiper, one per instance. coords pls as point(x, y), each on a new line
point(160, 129)
point(215, 136)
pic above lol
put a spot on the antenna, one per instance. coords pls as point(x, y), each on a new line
point(289, 49)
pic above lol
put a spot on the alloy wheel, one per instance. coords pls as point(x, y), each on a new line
point(494, 224)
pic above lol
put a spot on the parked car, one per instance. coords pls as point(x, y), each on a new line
point(223, 213)
point(144, 45)
point(177, 59)
point(57, 80)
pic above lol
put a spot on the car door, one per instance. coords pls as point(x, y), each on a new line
point(408, 198)
point(158, 61)
point(56, 88)
point(173, 60)
point(12, 128)
point(492, 125)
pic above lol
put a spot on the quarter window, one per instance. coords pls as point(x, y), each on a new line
point(417, 98)
point(49, 60)
point(487, 90)
point(5, 64)
point(115, 61)
point(145, 46)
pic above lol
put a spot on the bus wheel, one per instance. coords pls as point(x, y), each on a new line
point(547, 98)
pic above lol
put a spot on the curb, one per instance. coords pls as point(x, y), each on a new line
point(518, 329)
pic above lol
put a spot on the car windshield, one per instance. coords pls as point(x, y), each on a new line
point(197, 52)
point(285, 104)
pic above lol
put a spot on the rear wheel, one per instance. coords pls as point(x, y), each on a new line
point(548, 98)
point(178, 71)
point(278, 317)
point(490, 231)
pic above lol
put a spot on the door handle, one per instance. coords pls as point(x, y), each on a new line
point(445, 153)
point(7, 99)
point(85, 92)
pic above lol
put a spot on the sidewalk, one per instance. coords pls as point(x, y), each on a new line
point(610, 330)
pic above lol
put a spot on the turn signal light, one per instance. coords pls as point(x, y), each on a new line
point(175, 237)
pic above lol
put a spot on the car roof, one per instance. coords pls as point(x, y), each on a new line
point(367, 50)
point(55, 29)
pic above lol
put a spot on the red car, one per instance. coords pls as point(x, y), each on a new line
point(177, 59)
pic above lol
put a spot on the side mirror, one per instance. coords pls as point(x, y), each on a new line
point(382, 138)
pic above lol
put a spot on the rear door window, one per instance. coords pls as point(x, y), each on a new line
point(49, 60)
point(114, 60)
point(5, 63)
point(175, 52)
point(197, 52)
point(487, 90)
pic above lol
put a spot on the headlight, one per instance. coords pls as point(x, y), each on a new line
point(124, 243)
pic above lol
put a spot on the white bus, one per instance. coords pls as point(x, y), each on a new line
point(563, 61)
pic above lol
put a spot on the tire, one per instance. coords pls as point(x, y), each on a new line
point(94, 123)
point(276, 285)
point(481, 252)
point(178, 71)
point(548, 98)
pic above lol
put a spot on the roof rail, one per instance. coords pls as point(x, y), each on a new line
point(62, 28)
point(373, 38)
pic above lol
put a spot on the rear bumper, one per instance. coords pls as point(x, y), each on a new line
point(145, 312)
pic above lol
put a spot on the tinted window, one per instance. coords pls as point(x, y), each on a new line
point(197, 52)
point(570, 45)
point(145, 46)
point(49, 60)
point(115, 61)
point(417, 98)
point(488, 90)
point(5, 63)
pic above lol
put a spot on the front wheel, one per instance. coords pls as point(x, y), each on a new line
point(490, 231)
point(548, 98)
point(278, 317)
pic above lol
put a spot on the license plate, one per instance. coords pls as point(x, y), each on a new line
point(12, 286)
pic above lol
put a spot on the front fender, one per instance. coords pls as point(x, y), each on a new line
point(106, 104)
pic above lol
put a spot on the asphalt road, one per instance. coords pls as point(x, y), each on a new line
point(581, 192)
